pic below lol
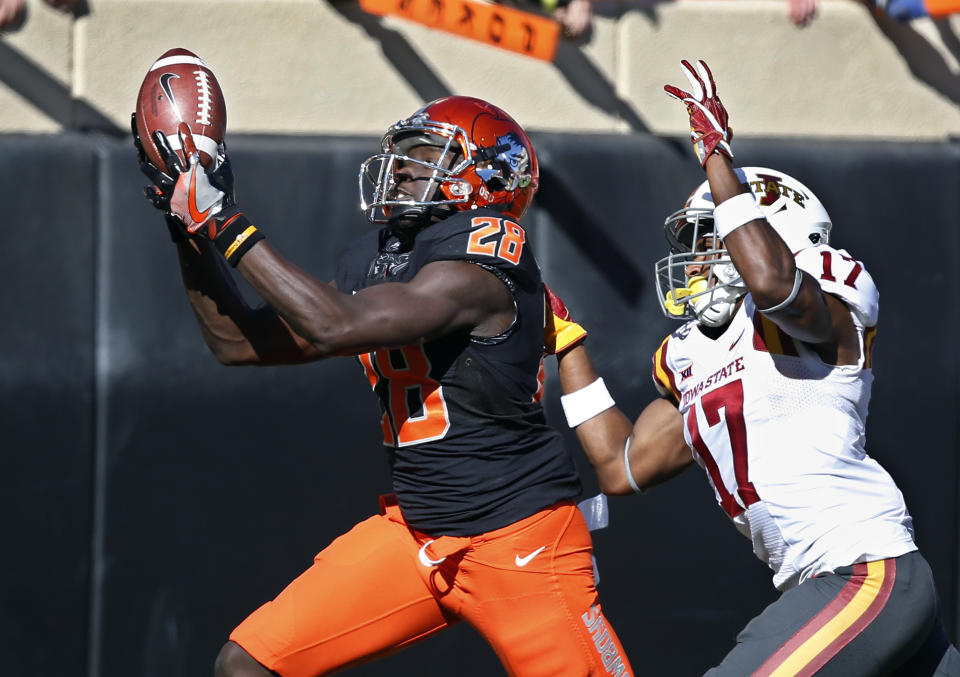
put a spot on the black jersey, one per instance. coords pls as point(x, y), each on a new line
point(468, 444)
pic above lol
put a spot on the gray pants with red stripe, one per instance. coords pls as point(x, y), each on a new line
point(875, 618)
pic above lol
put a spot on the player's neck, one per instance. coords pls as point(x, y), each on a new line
point(713, 333)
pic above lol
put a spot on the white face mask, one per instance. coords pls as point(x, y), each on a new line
point(716, 308)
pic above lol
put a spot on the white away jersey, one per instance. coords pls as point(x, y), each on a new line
point(781, 434)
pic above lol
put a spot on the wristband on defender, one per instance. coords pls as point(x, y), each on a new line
point(626, 466)
point(735, 212)
point(236, 238)
point(582, 405)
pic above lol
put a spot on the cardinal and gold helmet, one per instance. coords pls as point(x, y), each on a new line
point(710, 295)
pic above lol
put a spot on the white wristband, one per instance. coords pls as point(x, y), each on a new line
point(582, 405)
point(733, 213)
point(626, 466)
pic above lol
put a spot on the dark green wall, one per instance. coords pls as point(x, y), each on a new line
point(153, 497)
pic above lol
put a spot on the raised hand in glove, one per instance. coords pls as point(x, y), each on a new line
point(203, 202)
point(709, 130)
point(158, 193)
point(560, 333)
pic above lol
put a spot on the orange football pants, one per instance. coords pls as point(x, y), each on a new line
point(527, 588)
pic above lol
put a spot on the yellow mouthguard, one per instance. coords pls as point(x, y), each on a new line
point(672, 303)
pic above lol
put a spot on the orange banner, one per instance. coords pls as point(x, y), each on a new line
point(504, 27)
point(938, 9)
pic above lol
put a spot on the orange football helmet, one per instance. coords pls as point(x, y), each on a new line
point(487, 160)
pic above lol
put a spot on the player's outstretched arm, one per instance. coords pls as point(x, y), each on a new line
point(601, 427)
point(786, 294)
point(790, 297)
point(235, 332)
point(308, 318)
point(444, 297)
point(626, 457)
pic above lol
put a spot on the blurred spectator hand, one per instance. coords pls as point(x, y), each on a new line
point(575, 17)
point(11, 12)
point(802, 12)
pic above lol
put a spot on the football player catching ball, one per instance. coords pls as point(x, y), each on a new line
point(443, 307)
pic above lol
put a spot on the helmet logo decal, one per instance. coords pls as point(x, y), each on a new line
point(515, 156)
point(769, 188)
point(509, 154)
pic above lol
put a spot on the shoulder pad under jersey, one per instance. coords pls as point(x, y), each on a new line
point(663, 373)
point(843, 276)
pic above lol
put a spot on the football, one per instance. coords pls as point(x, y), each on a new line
point(180, 87)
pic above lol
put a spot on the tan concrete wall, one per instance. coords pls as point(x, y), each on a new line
point(306, 66)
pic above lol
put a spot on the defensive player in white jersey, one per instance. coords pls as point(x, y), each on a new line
point(766, 386)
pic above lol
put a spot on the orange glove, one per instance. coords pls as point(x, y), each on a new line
point(560, 333)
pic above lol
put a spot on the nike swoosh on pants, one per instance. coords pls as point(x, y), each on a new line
point(523, 561)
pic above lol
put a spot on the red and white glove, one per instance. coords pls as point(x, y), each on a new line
point(560, 333)
point(709, 130)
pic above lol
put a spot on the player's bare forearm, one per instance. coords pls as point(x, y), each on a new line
point(314, 309)
point(658, 450)
point(767, 266)
point(602, 437)
point(234, 332)
point(760, 255)
point(444, 297)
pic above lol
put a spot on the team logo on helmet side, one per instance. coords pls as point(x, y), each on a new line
point(517, 157)
point(768, 188)
point(509, 162)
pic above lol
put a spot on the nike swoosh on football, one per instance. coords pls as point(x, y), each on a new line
point(523, 561)
point(168, 90)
